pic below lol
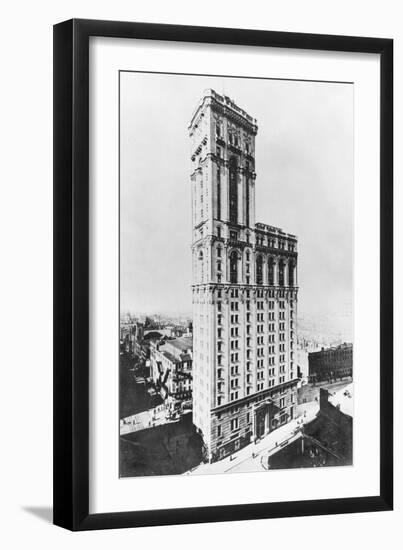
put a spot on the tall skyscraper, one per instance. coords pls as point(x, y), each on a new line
point(244, 288)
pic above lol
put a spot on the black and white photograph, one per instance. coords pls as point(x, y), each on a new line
point(202, 251)
point(236, 274)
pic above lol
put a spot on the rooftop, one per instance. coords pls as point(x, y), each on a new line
point(152, 335)
point(169, 356)
point(183, 343)
point(340, 347)
point(225, 101)
point(275, 230)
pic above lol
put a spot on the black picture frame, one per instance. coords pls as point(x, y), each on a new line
point(71, 273)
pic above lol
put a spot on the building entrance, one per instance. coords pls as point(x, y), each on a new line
point(260, 423)
point(262, 420)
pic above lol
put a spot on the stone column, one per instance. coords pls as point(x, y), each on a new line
point(275, 271)
point(225, 191)
point(252, 180)
point(240, 187)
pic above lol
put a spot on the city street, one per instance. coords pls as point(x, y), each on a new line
point(150, 418)
point(134, 397)
point(249, 459)
point(174, 444)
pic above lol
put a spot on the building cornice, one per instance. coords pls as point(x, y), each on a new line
point(266, 393)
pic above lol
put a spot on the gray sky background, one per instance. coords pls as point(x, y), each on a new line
point(304, 166)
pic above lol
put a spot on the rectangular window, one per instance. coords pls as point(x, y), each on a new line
point(234, 424)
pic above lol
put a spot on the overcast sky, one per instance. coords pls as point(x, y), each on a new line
point(304, 166)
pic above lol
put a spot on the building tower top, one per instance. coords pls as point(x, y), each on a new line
point(224, 105)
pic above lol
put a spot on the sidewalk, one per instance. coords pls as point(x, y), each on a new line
point(144, 420)
point(344, 399)
point(244, 461)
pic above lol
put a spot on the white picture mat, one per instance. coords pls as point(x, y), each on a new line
point(108, 493)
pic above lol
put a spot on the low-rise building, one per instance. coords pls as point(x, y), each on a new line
point(138, 340)
point(171, 369)
point(127, 337)
point(331, 363)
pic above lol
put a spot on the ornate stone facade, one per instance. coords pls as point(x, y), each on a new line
point(244, 288)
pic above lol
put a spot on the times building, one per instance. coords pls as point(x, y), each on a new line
point(244, 288)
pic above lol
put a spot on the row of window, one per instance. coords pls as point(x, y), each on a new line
point(259, 387)
point(260, 339)
point(234, 306)
point(261, 240)
point(234, 261)
point(260, 293)
point(234, 135)
point(234, 293)
point(260, 373)
point(260, 350)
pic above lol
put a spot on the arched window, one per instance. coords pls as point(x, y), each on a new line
point(281, 273)
point(270, 272)
point(233, 191)
point(218, 132)
point(259, 270)
point(290, 274)
point(233, 267)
